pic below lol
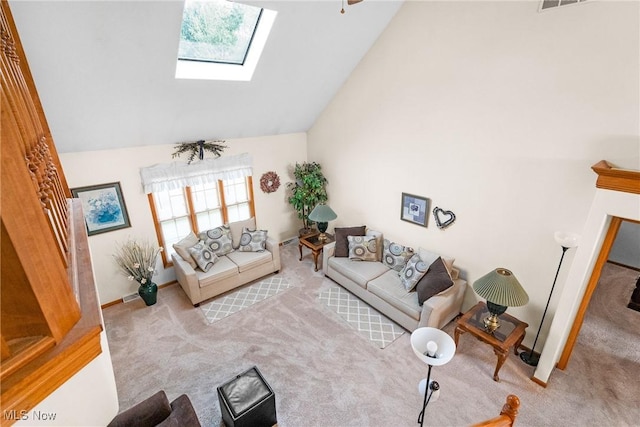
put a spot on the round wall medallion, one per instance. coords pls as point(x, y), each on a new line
point(269, 182)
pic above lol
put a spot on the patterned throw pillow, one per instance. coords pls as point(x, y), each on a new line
point(435, 281)
point(236, 229)
point(218, 239)
point(412, 272)
point(395, 256)
point(203, 256)
point(253, 240)
point(363, 248)
point(379, 242)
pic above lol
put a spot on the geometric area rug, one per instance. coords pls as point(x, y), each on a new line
point(367, 321)
point(243, 298)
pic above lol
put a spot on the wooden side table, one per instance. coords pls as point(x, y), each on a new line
point(510, 333)
point(313, 242)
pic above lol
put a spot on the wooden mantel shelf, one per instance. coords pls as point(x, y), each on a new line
point(612, 178)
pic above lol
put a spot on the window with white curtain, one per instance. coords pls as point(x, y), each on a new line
point(199, 208)
point(197, 197)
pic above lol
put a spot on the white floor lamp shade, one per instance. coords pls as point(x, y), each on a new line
point(444, 350)
point(435, 348)
point(565, 239)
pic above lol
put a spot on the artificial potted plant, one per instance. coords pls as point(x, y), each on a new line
point(307, 191)
point(138, 262)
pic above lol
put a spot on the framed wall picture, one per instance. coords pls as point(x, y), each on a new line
point(414, 209)
point(103, 207)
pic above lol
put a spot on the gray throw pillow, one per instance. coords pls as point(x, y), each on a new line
point(342, 244)
point(237, 227)
point(413, 271)
point(253, 240)
point(218, 239)
point(363, 248)
point(435, 280)
point(203, 256)
point(395, 256)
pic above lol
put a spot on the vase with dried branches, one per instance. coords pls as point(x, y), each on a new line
point(138, 262)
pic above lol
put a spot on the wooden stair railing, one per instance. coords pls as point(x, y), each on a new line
point(507, 416)
point(50, 321)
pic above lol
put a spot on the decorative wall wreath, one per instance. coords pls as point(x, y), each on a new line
point(269, 182)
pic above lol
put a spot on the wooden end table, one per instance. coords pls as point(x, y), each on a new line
point(313, 242)
point(510, 333)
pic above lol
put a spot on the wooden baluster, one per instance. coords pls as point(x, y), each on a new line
point(55, 223)
point(58, 191)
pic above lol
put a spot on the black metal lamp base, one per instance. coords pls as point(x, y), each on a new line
point(427, 396)
point(530, 358)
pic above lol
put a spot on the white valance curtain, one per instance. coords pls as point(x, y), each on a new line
point(170, 176)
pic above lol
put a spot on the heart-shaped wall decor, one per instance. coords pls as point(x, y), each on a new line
point(443, 218)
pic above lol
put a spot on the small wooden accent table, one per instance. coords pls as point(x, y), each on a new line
point(510, 333)
point(313, 242)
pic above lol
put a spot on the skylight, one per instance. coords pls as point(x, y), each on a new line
point(221, 40)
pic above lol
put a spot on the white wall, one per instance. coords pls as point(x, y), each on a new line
point(89, 398)
point(496, 112)
point(626, 248)
point(273, 213)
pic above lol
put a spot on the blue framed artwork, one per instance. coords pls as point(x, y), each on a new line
point(414, 209)
point(103, 207)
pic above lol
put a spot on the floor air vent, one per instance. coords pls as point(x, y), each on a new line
point(550, 4)
point(130, 297)
point(291, 241)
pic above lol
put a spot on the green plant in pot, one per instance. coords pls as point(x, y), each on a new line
point(138, 262)
point(307, 191)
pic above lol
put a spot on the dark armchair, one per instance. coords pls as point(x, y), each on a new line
point(157, 411)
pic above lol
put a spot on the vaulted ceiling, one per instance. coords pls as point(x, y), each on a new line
point(105, 70)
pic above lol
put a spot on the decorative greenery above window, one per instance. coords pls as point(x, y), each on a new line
point(217, 31)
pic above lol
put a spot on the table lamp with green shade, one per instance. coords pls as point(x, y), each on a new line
point(321, 215)
point(501, 289)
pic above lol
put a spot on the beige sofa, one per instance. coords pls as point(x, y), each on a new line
point(380, 287)
point(228, 271)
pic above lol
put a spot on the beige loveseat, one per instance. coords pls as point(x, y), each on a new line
point(230, 270)
point(381, 287)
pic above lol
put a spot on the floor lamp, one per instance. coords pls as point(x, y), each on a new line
point(566, 240)
point(435, 348)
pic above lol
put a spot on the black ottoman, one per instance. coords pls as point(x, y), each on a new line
point(247, 401)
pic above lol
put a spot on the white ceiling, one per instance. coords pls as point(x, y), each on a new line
point(105, 70)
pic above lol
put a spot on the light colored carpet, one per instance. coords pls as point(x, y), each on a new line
point(245, 297)
point(368, 322)
point(324, 374)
